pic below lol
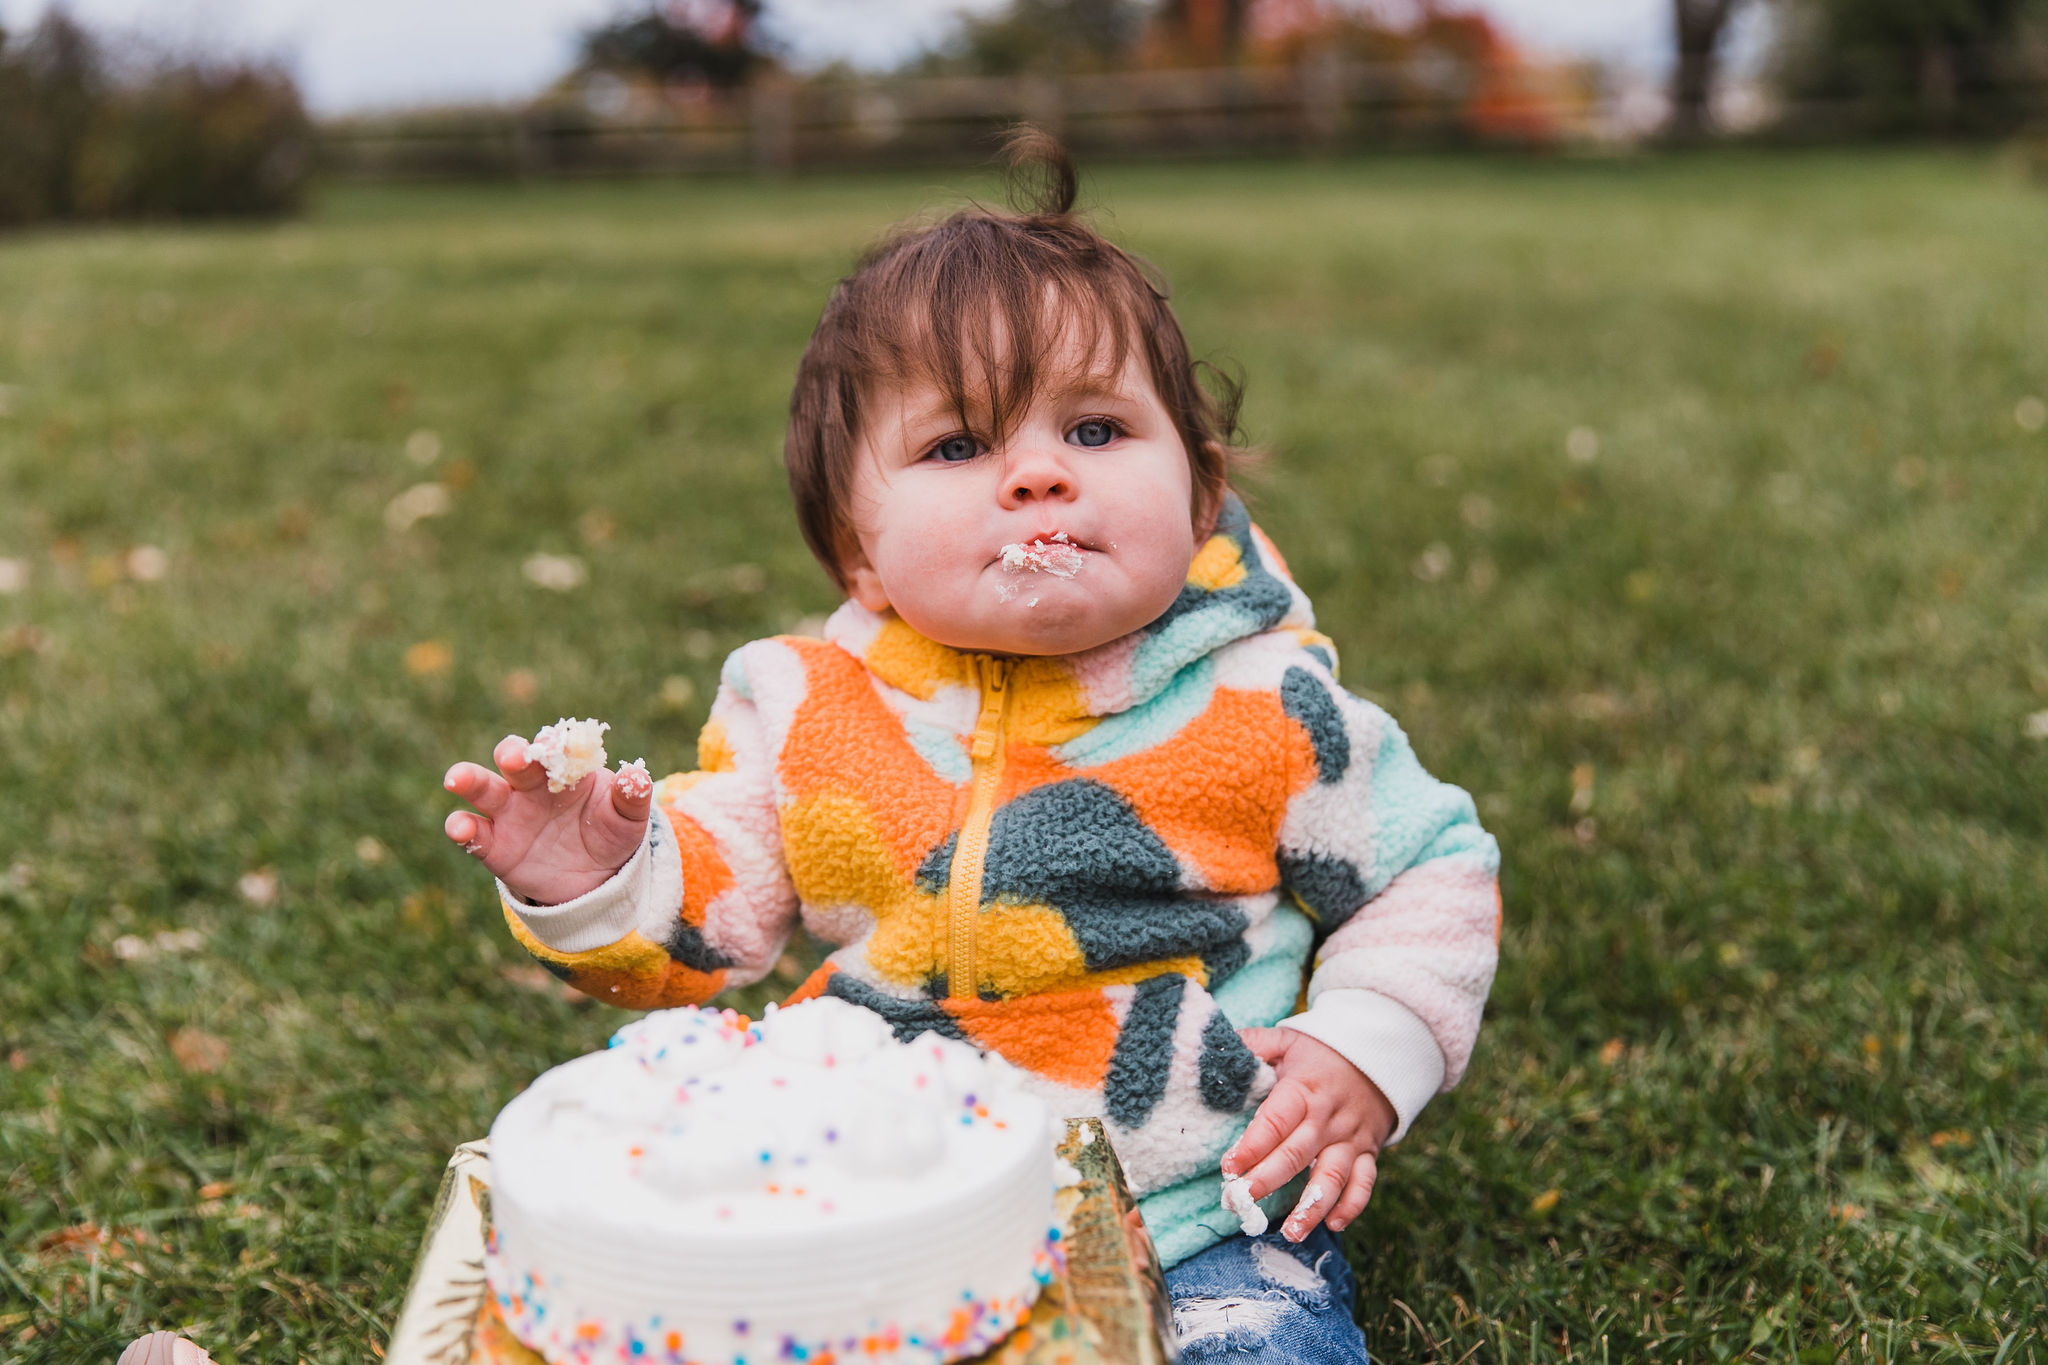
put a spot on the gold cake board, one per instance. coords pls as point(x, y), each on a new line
point(1108, 1307)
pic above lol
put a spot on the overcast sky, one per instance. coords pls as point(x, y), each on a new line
point(369, 54)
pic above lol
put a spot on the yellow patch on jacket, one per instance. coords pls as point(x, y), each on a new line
point(1217, 565)
point(837, 856)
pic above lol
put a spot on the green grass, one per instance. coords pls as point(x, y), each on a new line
point(1745, 698)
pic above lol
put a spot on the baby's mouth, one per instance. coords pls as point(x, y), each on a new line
point(1056, 554)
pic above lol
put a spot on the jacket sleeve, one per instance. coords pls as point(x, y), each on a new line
point(1403, 885)
point(705, 902)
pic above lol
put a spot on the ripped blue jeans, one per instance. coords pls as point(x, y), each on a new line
point(1251, 1300)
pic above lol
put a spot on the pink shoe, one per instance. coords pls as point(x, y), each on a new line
point(163, 1348)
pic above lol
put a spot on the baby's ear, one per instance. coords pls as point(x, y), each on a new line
point(863, 584)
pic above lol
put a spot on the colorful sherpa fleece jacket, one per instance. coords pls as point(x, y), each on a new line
point(1099, 866)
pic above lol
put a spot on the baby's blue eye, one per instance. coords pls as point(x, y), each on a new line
point(1093, 433)
point(955, 449)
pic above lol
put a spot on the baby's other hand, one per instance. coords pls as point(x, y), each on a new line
point(549, 847)
point(1322, 1109)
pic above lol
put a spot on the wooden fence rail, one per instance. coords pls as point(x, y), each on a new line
point(784, 125)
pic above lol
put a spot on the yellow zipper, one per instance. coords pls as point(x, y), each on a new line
point(963, 887)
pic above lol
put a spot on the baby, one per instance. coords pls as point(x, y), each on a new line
point(1070, 776)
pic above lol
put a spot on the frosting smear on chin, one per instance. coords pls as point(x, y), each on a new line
point(1057, 556)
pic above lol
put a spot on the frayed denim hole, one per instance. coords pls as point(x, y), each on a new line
point(1211, 1327)
point(1304, 1284)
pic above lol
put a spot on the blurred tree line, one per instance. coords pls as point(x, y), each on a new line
point(1873, 66)
point(1966, 66)
point(88, 131)
point(1878, 66)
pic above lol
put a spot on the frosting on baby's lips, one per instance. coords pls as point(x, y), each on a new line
point(1055, 554)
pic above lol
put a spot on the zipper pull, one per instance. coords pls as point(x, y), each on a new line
point(988, 726)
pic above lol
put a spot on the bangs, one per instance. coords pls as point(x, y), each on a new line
point(991, 329)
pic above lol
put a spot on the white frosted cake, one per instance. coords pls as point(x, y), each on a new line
point(806, 1188)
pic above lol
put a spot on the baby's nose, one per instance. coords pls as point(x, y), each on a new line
point(1036, 475)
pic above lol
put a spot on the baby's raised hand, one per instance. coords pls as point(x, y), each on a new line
point(1322, 1109)
point(547, 846)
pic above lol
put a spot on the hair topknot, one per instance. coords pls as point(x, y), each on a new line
point(1043, 182)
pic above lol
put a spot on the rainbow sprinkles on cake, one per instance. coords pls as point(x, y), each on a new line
point(711, 1191)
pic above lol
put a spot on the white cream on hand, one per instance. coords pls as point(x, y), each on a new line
point(1237, 1197)
point(570, 750)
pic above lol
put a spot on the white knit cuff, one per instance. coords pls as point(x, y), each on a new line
point(645, 892)
point(1383, 1038)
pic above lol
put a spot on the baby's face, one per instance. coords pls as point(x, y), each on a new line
point(1075, 530)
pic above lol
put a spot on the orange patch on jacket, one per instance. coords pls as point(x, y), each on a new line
point(1218, 792)
point(1067, 1037)
point(705, 874)
point(844, 740)
point(633, 973)
point(814, 984)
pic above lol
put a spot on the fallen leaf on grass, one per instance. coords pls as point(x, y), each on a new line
point(1847, 1213)
point(1582, 788)
point(258, 887)
point(415, 504)
point(218, 1189)
point(90, 1240)
point(148, 564)
point(1546, 1201)
point(200, 1051)
point(1611, 1050)
point(541, 982)
point(1433, 563)
point(677, 692)
point(429, 658)
point(1951, 1137)
point(135, 948)
point(556, 573)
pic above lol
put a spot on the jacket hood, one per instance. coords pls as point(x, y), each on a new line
point(1237, 586)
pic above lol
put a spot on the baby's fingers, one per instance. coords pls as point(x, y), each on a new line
point(632, 792)
point(510, 756)
point(470, 830)
point(1325, 1183)
point(479, 786)
point(1365, 1173)
point(1278, 1142)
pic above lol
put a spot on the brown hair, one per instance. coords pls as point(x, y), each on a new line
point(976, 304)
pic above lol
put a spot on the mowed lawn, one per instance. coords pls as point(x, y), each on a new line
point(1693, 514)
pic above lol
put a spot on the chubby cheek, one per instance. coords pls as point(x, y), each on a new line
point(1156, 551)
point(912, 547)
point(926, 563)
